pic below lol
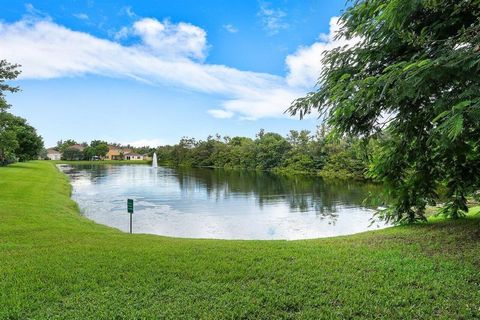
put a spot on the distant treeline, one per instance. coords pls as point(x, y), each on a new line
point(298, 152)
point(97, 149)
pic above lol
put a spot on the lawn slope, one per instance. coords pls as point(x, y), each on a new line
point(56, 264)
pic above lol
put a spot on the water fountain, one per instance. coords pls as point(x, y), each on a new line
point(154, 160)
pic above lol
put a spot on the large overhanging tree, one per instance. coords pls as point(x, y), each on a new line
point(18, 140)
point(8, 71)
point(413, 82)
point(8, 142)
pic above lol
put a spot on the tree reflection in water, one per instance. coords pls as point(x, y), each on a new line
point(302, 193)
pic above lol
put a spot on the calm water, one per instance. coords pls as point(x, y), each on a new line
point(208, 203)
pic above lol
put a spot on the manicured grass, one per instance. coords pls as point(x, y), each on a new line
point(103, 162)
point(56, 264)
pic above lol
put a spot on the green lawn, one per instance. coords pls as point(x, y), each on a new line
point(56, 264)
point(103, 162)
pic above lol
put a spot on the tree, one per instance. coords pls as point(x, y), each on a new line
point(100, 148)
point(299, 158)
point(145, 150)
point(64, 145)
point(29, 143)
point(412, 80)
point(97, 148)
point(270, 150)
point(43, 154)
point(299, 139)
point(8, 71)
point(8, 142)
point(241, 153)
point(18, 140)
point(182, 152)
point(72, 154)
point(343, 159)
point(88, 153)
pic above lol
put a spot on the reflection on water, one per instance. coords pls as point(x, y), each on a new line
point(222, 204)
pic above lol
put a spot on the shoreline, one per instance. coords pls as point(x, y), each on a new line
point(58, 263)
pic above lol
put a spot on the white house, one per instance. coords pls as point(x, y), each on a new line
point(133, 156)
point(53, 154)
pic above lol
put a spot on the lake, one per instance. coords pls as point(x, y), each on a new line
point(220, 204)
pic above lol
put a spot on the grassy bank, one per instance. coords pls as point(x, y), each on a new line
point(57, 264)
point(102, 162)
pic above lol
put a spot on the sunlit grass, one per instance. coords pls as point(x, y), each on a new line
point(54, 263)
point(102, 162)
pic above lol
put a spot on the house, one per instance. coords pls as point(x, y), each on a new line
point(133, 156)
point(53, 154)
point(113, 153)
point(117, 153)
point(79, 147)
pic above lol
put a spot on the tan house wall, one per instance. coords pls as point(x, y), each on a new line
point(112, 154)
point(54, 156)
point(115, 153)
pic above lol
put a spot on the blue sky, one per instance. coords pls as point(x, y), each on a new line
point(154, 71)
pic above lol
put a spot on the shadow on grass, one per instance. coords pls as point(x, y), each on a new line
point(442, 238)
point(20, 165)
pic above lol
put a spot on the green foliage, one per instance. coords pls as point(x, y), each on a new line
point(412, 81)
point(8, 71)
point(299, 152)
point(43, 154)
point(344, 160)
point(270, 149)
point(8, 140)
point(71, 154)
point(89, 153)
point(298, 162)
point(64, 145)
point(18, 140)
point(241, 153)
point(29, 143)
point(143, 150)
point(55, 263)
point(97, 148)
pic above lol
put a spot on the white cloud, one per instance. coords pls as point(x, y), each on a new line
point(166, 38)
point(144, 142)
point(221, 114)
point(271, 102)
point(230, 28)
point(121, 34)
point(272, 19)
point(81, 16)
point(167, 54)
point(305, 65)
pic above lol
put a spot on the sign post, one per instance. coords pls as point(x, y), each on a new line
point(130, 210)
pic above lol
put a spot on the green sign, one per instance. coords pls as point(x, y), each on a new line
point(130, 205)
